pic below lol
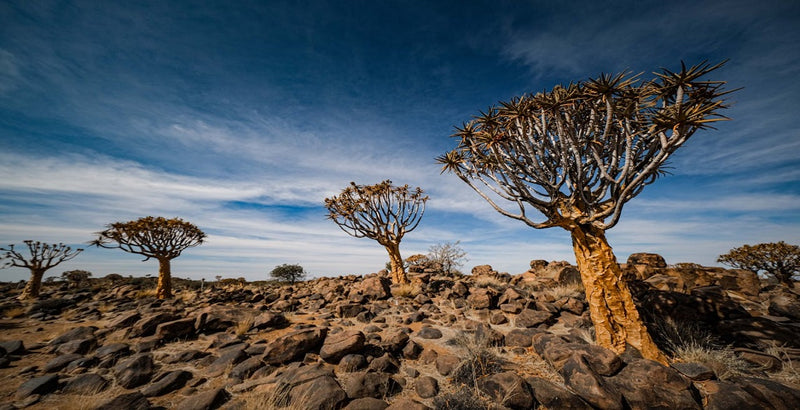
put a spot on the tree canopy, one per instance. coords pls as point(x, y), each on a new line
point(778, 259)
point(41, 257)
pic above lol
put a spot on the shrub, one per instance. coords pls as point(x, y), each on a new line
point(288, 273)
point(447, 255)
point(778, 259)
point(76, 277)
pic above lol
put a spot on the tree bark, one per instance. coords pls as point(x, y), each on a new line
point(398, 272)
point(164, 288)
point(34, 285)
point(616, 320)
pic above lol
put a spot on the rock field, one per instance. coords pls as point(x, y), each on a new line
point(483, 341)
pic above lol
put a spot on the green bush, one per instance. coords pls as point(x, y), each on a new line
point(288, 273)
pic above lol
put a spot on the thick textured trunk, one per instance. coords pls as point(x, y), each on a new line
point(164, 288)
point(398, 272)
point(616, 320)
point(33, 286)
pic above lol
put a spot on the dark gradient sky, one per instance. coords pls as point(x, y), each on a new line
point(242, 116)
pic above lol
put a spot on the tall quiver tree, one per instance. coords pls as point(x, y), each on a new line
point(153, 237)
point(577, 154)
point(42, 257)
point(382, 212)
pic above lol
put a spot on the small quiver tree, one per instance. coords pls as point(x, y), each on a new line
point(778, 259)
point(42, 256)
point(153, 237)
point(381, 212)
point(288, 273)
point(577, 154)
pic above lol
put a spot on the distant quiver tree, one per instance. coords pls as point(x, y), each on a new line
point(76, 277)
point(153, 237)
point(778, 259)
point(42, 256)
point(577, 154)
point(382, 212)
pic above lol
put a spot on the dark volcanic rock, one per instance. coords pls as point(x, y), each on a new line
point(127, 401)
point(135, 371)
point(646, 384)
point(531, 318)
point(146, 326)
point(15, 347)
point(176, 329)
point(352, 362)
point(60, 362)
point(426, 387)
point(269, 319)
point(366, 403)
point(81, 346)
point(776, 395)
point(429, 333)
point(553, 396)
point(37, 385)
point(370, 384)
point(246, 368)
point(508, 389)
point(228, 358)
point(294, 345)
point(341, 344)
point(78, 333)
point(209, 400)
point(172, 381)
point(86, 384)
point(720, 395)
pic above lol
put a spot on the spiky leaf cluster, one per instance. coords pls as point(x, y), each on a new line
point(152, 237)
point(382, 212)
point(42, 256)
point(778, 259)
point(579, 152)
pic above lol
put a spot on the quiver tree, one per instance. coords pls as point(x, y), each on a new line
point(778, 259)
point(153, 237)
point(382, 212)
point(577, 154)
point(42, 257)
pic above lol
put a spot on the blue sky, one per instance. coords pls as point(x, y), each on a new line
point(242, 116)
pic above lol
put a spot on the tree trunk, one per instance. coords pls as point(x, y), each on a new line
point(164, 288)
point(33, 286)
point(616, 320)
point(398, 272)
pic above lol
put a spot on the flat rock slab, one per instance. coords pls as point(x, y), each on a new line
point(172, 381)
point(86, 384)
point(127, 401)
point(209, 400)
point(37, 385)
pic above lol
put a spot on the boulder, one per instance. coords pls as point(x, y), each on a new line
point(776, 395)
point(426, 387)
point(646, 384)
point(366, 403)
point(86, 384)
point(370, 384)
point(553, 396)
point(146, 326)
point(246, 368)
point(208, 400)
point(135, 371)
point(127, 401)
point(173, 380)
point(786, 304)
point(341, 344)
point(228, 358)
point(482, 298)
point(375, 287)
point(507, 389)
point(78, 333)
point(352, 362)
point(37, 385)
point(269, 320)
point(721, 395)
point(294, 345)
point(176, 329)
point(80, 346)
point(652, 260)
point(531, 318)
point(59, 362)
point(427, 332)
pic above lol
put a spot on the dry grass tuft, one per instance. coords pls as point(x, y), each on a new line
point(489, 282)
point(244, 325)
point(145, 293)
point(405, 291)
point(14, 312)
point(566, 290)
point(789, 373)
point(688, 342)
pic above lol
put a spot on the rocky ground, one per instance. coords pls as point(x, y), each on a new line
point(486, 340)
